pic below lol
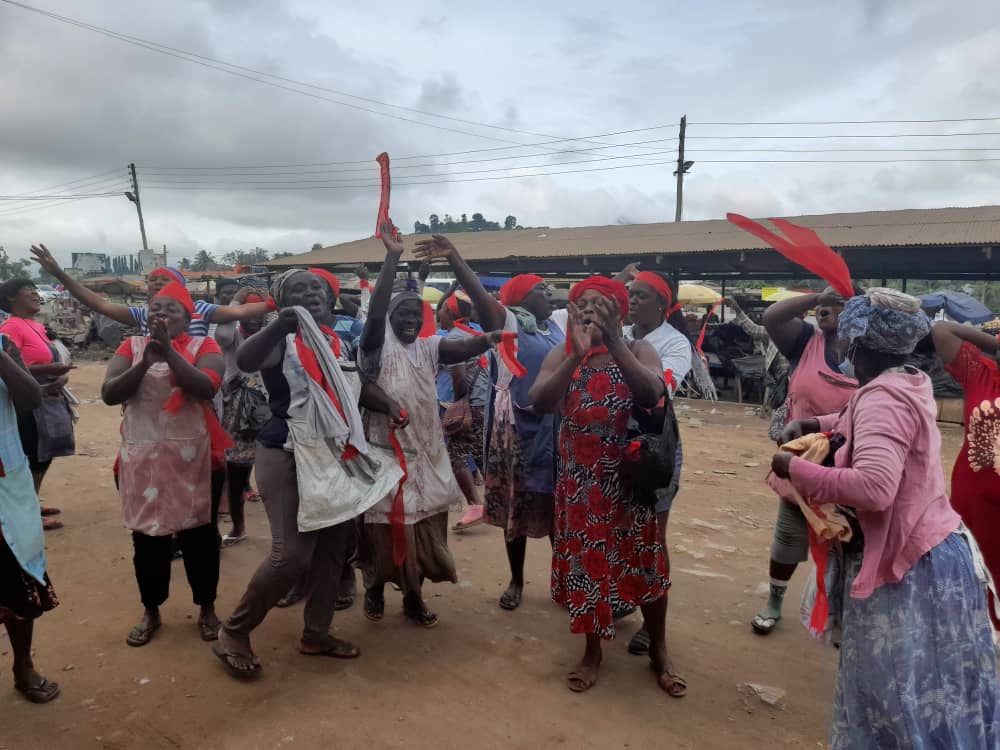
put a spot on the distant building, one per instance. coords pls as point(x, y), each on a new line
point(91, 263)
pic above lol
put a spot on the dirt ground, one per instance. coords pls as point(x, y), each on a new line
point(484, 677)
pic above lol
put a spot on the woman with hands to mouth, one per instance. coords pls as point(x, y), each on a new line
point(170, 435)
point(405, 535)
point(607, 553)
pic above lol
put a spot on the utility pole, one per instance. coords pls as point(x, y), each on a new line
point(134, 197)
point(682, 168)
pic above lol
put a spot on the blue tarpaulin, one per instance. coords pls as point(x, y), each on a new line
point(493, 283)
point(958, 306)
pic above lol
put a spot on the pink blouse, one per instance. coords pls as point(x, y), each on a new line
point(30, 338)
point(889, 470)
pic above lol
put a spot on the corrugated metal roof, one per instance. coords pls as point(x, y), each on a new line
point(911, 227)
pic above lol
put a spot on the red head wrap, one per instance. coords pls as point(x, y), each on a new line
point(660, 286)
point(179, 293)
point(253, 297)
point(329, 278)
point(606, 288)
point(519, 287)
point(170, 272)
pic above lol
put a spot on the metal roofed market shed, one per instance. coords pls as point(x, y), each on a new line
point(938, 243)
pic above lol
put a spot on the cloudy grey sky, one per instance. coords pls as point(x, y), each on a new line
point(81, 105)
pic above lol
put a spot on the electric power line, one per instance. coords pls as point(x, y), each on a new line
point(857, 122)
point(250, 73)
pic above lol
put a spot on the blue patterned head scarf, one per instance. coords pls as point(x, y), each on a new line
point(883, 320)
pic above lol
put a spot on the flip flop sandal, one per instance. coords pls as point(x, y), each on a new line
point(621, 612)
point(230, 541)
point(335, 648)
point(209, 632)
point(374, 606)
point(424, 618)
point(639, 645)
point(762, 625)
point(49, 511)
point(251, 497)
point(51, 524)
point(580, 682)
point(342, 603)
point(511, 598)
point(140, 636)
point(41, 692)
point(240, 674)
point(675, 686)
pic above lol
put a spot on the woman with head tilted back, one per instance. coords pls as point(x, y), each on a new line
point(314, 469)
point(25, 591)
point(166, 382)
point(607, 554)
point(47, 431)
point(821, 382)
point(917, 665)
point(520, 441)
point(405, 535)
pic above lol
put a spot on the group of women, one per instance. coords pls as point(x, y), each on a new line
point(354, 469)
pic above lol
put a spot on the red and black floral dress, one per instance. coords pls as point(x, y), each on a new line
point(606, 551)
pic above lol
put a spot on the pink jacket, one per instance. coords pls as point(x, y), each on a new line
point(889, 470)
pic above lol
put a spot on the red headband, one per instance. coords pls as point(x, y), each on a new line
point(606, 288)
point(329, 278)
point(179, 293)
point(452, 304)
point(519, 287)
point(660, 286)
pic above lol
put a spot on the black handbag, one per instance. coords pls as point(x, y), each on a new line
point(650, 459)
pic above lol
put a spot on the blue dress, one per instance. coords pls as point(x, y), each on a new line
point(520, 444)
point(917, 664)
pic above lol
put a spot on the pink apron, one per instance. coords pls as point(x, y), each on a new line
point(814, 390)
point(165, 472)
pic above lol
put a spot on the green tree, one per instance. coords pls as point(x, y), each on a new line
point(10, 269)
point(203, 261)
point(279, 256)
point(510, 222)
point(420, 228)
point(435, 223)
point(185, 264)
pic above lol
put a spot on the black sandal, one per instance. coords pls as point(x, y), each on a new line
point(639, 645)
point(226, 658)
point(422, 617)
point(140, 636)
point(42, 691)
point(374, 605)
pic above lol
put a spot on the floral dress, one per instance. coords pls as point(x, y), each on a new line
point(606, 550)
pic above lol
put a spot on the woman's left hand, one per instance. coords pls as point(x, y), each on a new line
point(608, 318)
point(493, 337)
point(158, 331)
point(781, 463)
point(398, 419)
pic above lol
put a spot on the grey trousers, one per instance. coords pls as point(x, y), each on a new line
point(322, 554)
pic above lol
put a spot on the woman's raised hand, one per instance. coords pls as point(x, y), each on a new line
point(392, 245)
point(438, 246)
point(608, 318)
point(580, 334)
point(44, 258)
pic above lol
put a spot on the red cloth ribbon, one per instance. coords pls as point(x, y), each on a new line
point(329, 278)
point(661, 287)
point(633, 451)
point(606, 288)
point(803, 247)
point(704, 325)
point(311, 365)
point(519, 287)
point(218, 439)
point(383, 203)
point(429, 326)
point(365, 284)
point(669, 379)
point(179, 292)
point(508, 353)
point(272, 306)
point(397, 516)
